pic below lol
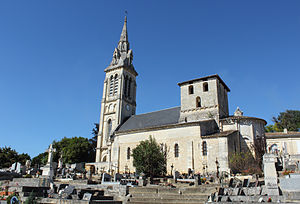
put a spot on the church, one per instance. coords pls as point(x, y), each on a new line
point(199, 135)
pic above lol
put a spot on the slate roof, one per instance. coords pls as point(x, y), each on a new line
point(152, 119)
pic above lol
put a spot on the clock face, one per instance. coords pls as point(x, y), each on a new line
point(128, 107)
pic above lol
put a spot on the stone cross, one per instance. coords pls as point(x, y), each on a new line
point(51, 150)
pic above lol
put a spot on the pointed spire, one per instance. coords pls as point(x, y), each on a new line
point(124, 35)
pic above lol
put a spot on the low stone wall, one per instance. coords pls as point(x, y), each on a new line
point(31, 182)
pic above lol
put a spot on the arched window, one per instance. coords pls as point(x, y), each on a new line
point(110, 108)
point(108, 128)
point(104, 159)
point(198, 102)
point(111, 86)
point(273, 149)
point(191, 89)
point(205, 87)
point(176, 150)
point(204, 148)
point(125, 85)
point(116, 84)
point(128, 153)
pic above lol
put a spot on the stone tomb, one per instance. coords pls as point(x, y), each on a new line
point(87, 196)
point(48, 170)
point(270, 174)
point(106, 178)
point(25, 186)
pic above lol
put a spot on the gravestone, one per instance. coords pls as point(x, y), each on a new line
point(238, 184)
point(270, 174)
point(141, 181)
point(67, 191)
point(18, 168)
point(230, 185)
point(60, 162)
point(236, 192)
point(28, 164)
point(220, 191)
point(87, 196)
point(13, 166)
point(118, 177)
point(197, 180)
point(176, 175)
point(246, 183)
point(106, 177)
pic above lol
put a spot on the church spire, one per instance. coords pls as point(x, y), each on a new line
point(124, 35)
point(122, 55)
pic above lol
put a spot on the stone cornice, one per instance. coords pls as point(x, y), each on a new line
point(198, 109)
point(169, 126)
point(236, 118)
point(129, 69)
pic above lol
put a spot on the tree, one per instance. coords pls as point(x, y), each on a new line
point(259, 147)
point(290, 119)
point(9, 156)
point(93, 140)
point(149, 158)
point(40, 159)
point(74, 150)
point(244, 162)
point(247, 162)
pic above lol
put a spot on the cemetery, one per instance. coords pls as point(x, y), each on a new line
point(76, 183)
point(193, 144)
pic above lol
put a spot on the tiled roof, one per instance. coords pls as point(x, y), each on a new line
point(282, 134)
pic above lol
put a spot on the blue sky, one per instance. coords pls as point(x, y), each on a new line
point(53, 53)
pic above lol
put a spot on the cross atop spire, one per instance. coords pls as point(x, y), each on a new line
point(124, 35)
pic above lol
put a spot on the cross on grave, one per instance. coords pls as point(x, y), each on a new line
point(50, 151)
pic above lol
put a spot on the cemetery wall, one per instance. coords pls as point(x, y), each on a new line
point(290, 145)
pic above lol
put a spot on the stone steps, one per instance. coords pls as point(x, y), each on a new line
point(142, 195)
point(177, 196)
point(162, 202)
point(168, 200)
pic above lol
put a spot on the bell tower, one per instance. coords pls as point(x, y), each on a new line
point(119, 95)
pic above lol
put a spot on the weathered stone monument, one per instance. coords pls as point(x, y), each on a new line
point(270, 174)
point(48, 169)
point(60, 162)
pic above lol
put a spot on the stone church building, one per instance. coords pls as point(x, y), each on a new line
point(200, 134)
